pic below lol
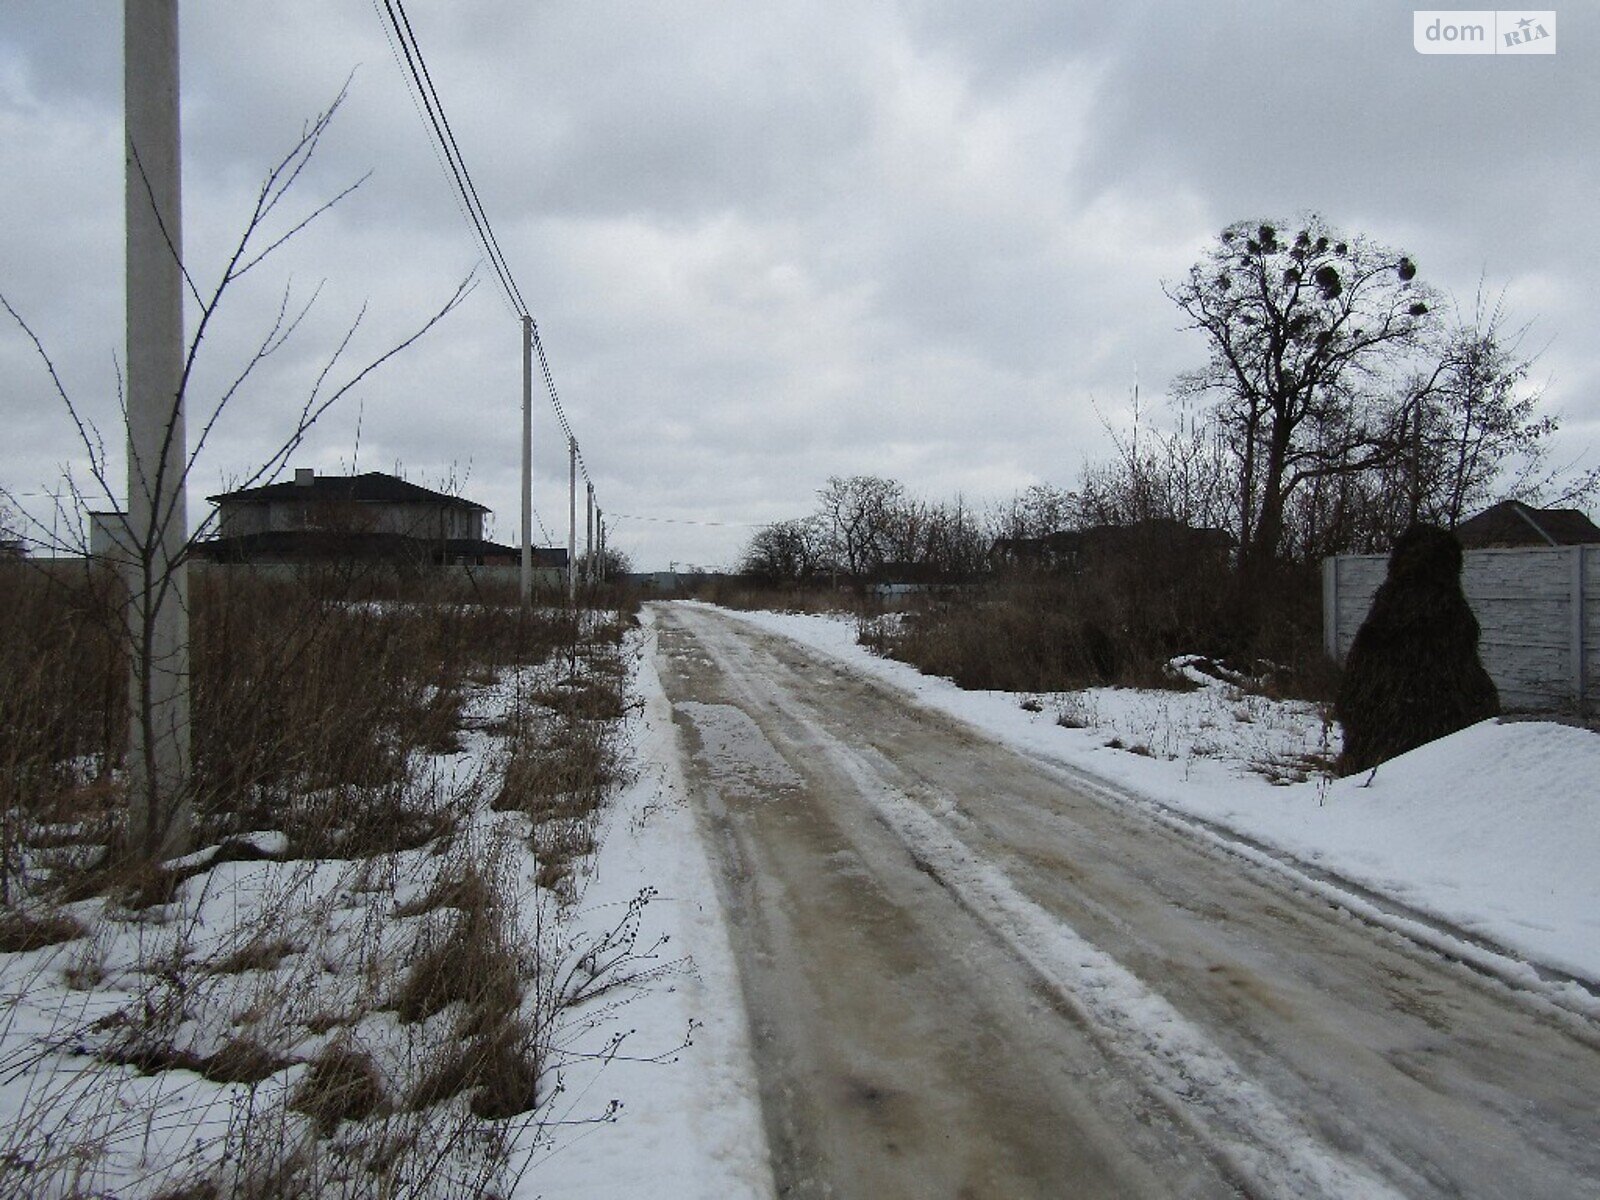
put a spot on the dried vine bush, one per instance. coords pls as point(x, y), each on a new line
point(1413, 673)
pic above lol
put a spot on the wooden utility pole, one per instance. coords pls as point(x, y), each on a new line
point(158, 617)
point(527, 461)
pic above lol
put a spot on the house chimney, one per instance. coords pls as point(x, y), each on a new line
point(303, 476)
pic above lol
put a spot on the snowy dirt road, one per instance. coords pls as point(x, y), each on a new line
point(965, 978)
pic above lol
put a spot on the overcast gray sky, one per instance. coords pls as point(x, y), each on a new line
point(771, 242)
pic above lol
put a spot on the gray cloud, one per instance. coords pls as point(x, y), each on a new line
point(767, 242)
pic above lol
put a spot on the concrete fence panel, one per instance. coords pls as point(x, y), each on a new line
point(1538, 609)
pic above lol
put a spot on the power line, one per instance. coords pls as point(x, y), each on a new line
point(448, 150)
point(688, 521)
point(416, 103)
point(432, 110)
point(549, 538)
point(491, 242)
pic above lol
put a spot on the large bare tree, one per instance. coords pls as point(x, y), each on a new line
point(1305, 332)
point(785, 552)
point(857, 514)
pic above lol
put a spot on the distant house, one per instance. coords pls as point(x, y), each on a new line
point(1513, 523)
point(371, 517)
point(1076, 549)
point(910, 578)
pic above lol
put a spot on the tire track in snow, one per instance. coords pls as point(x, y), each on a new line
point(1200, 1084)
point(1271, 1152)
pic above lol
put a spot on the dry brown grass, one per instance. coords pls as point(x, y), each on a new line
point(473, 964)
point(262, 952)
point(62, 705)
point(558, 775)
point(340, 1084)
point(584, 698)
point(499, 1068)
point(562, 772)
point(243, 1060)
point(1045, 632)
point(315, 715)
point(20, 931)
point(468, 892)
point(302, 691)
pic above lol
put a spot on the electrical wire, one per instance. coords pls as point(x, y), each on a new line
point(432, 110)
point(490, 241)
point(688, 521)
point(549, 540)
point(425, 97)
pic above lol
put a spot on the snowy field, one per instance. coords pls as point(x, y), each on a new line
point(1483, 844)
point(183, 1035)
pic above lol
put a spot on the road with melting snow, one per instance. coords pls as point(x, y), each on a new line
point(968, 977)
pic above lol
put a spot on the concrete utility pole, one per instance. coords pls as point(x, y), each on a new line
point(572, 520)
point(527, 461)
point(600, 544)
point(157, 445)
point(588, 536)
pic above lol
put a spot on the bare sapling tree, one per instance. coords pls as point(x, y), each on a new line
point(153, 562)
point(1476, 431)
point(1180, 473)
point(1038, 510)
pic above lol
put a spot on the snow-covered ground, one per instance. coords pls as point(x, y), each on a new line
point(1488, 836)
point(689, 1125)
point(648, 1089)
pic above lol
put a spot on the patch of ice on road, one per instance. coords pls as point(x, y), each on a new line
point(736, 753)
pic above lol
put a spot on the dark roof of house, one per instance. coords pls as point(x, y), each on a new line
point(477, 546)
point(543, 556)
point(372, 487)
point(1155, 533)
point(1512, 523)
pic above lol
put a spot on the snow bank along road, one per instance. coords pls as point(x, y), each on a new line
point(965, 979)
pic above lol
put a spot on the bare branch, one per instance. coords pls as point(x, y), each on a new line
point(88, 435)
point(307, 220)
point(318, 405)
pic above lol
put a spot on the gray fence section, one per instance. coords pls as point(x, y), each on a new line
point(1538, 608)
